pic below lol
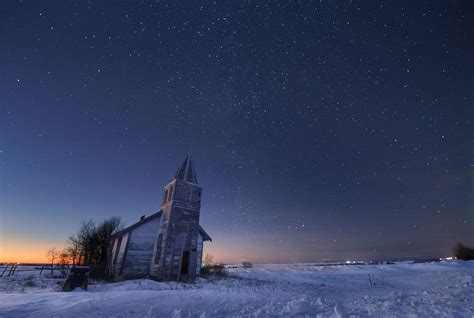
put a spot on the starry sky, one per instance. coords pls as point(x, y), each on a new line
point(320, 131)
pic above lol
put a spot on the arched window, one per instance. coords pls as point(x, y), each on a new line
point(158, 248)
point(195, 196)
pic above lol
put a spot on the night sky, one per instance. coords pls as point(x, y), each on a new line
point(320, 131)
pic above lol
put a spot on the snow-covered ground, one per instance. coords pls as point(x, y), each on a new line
point(441, 289)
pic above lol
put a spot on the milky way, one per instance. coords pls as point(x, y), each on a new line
point(319, 131)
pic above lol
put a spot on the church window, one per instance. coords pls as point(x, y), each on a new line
point(158, 248)
point(170, 193)
point(195, 196)
point(188, 195)
point(117, 249)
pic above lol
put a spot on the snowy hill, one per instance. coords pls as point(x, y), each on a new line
point(442, 289)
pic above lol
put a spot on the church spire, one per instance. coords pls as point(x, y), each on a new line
point(186, 171)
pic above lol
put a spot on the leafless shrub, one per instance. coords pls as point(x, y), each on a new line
point(208, 259)
point(247, 265)
point(215, 270)
point(29, 281)
point(463, 252)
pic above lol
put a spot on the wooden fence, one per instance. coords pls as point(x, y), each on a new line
point(11, 269)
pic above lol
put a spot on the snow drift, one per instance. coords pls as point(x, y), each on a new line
point(442, 289)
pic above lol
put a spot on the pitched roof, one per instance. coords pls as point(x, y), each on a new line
point(186, 171)
point(203, 233)
point(205, 236)
point(133, 226)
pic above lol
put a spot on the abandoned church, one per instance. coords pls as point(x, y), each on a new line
point(168, 244)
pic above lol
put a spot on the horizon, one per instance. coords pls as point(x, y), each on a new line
point(318, 130)
point(323, 262)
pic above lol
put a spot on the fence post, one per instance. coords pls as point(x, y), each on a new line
point(6, 267)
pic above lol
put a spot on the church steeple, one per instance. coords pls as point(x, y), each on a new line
point(177, 255)
point(186, 171)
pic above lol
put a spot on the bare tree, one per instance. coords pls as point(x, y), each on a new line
point(64, 260)
point(52, 254)
point(73, 249)
point(90, 244)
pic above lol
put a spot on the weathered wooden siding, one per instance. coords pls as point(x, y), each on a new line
point(140, 249)
point(168, 245)
point(154, 268)
point(199, 255)
point(117, 259)
point(180, 226)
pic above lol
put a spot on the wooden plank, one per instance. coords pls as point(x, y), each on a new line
point(181, 259)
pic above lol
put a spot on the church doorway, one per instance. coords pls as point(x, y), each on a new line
point(184, 263)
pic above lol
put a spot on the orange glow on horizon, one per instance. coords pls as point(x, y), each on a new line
point(25, 251)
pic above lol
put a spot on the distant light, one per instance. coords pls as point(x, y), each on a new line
point(449, 258)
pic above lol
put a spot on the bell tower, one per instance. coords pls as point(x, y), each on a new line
point(176, 252)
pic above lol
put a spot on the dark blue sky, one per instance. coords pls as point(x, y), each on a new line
point(319, 131)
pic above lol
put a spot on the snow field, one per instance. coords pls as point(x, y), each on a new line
point(442, 289)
